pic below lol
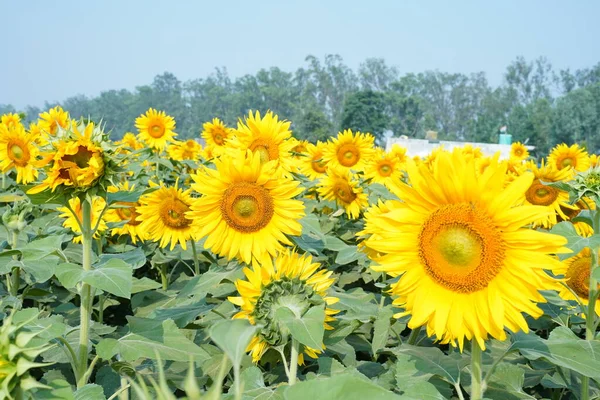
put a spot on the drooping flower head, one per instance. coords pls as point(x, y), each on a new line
point(162, 214)
point(518, 151)
point(216, 134)
point(350, 150)
point(246, 208)
point(156, 128)
point(18, 151)
point(72, 218)
point(563, 156)
point(294, 280)
point(341, 186)
point(468, 265)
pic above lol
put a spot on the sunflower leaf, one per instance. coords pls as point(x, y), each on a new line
point(308, 329)
point(433, 361)
point(575, 242)
point(381, 329)
point(233, 337)
point(114, 276)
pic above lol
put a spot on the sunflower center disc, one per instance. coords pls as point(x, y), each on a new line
point(247, 207)
point(128, 214)
point(348, 155)
point(318, 165)
point(344, 192)
point(567, 162)
point(578, 276)
point(460, 248)
point(541, 195)
point(156, 131)
point(16, 152)
point(385, 170)
point(81, 158)
point(173, 213)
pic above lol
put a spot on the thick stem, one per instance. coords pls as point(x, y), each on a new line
point(3, 181)
point(16, 271)
point(85, 308)
point(476, 375)
point(164, 277)
point(237, 382)
point(195, 255)
point(590, 318)
point(414, 335)
point(294, 362)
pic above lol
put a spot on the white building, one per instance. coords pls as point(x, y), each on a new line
point(422, 147)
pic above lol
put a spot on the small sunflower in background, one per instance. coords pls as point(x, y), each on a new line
point(469, 268)
point(18, 151)
point(72, 218)
point(576, 272)
point(267, 137)
point(293, 278)
point(384, 168)
point(245, 210)
point(563, 156)
point(468, 150)
point(350, 150)
point(594, 160)
point(10, 120)
point(314, 166)
point(188, 150)
point(552, 198)
point(216, 135)
point(126, 212)
point(518, 151)
point(130, 143)
point(53, 119)
point(162, 214)
point(400, 153)
point(156, 128)
point(341, 186)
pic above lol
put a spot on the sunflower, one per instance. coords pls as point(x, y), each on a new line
point(18, 151)
point(349, 150)
point(594, 160)
point(188, 150)
point(370, 228)
point(576, 271)
point(130, 141)
point(246, 210)
point(554, 199)
point(10, 120)
point(518, 151)
point(216, 134)
point(383, 168)
point(268, 137)
point(71, 220)
point(467, 267)
point(400, 153)
point(293, 277)
point(52, 119)
point(313, 166)
point(156, 128)
point(469, 151)
point(78, 160)
point(125, 212)
point(563, 156)
point(583, 228)
point(340, 185)
point(162, 214)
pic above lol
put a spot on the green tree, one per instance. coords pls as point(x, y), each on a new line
point(365, 111)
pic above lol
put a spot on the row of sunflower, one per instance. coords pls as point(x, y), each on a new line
point(463, 238)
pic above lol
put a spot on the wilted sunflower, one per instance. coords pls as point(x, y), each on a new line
point(156, 128)
point(18, 151)
point(70, 222)
point(576, 271)
point(54, 118)
point(313, 166)
point(216, 134)
point(292, 278)
point(163, 216)
point(467, 268)
point(563, 156)
point(267, 137)
point(78, 159)
point(246, 210)
point(10, 120)
point(384, 168)
point(341, 186)
point(554, 199)
point(188, 150)
point(518, 151)
point(126, 212)
point(350, 150)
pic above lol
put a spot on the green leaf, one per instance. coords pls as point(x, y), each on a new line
point(69, 275)
point(7, 262)
point(208, 281)
point(575, 242)
point(39, 249)
point(45, 197)
point(107, 348)
point(115, 277)
point(335, 244)
point(143, 284)
point(183, 315)
point(308, 329)
point(233, 336)
point(433, 361)
point(564, 349)
point(350, 386)
point(90, 392)
point(348, 255)
point(136, 258)
point(596, 273)
point(124, 196)
point(254, 386)
point(358, 304)
point(43, 269)
point(381, 329)
point(507, 383)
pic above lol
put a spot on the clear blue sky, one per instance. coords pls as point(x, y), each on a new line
point(56, 49)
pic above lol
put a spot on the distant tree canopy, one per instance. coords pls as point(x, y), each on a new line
point(538, 104)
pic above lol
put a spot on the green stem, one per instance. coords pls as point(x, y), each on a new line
point(237, 382)
point(590, 318)
point(3, 181)
point(414, 335)
point(195, 255)
point(294, 362)
point(16, 271)
point(476, 375)
point(85, 308)
point(164, 277)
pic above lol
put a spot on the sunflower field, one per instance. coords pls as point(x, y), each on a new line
point(258, 266)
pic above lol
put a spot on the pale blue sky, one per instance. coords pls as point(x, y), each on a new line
point(55, 49)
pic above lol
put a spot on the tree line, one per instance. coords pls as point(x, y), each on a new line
point(539, 105)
